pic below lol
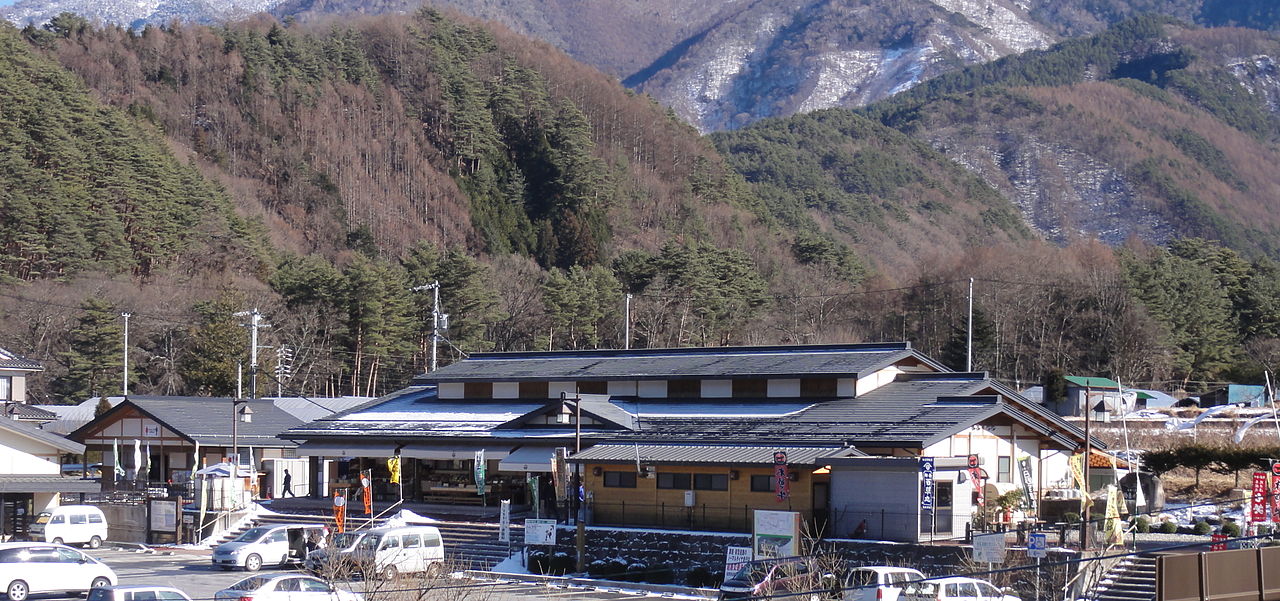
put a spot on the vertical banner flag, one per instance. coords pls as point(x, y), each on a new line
point(393, 466)
point(1077, 471)
point(979, 487)
point(560, 474)
point(137, 459)
point(1258, 504)
point(115, 458)
point(926, 483)
point(480, 469)
point(1275, 492)
point(1113, 528)
point(339, 511)
point(504, 522)
point(366, 490)
point(782, 479)
point(1028, 485)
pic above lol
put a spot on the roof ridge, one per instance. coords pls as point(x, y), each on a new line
point(699, 350)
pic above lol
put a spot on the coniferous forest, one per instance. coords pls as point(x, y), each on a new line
point(320, 172)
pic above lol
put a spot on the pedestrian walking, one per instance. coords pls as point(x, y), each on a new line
point(288, 485)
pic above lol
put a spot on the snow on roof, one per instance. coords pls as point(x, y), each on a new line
point(414, 409)
point(728, 408)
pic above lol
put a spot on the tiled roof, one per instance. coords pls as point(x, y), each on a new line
point(207, 420)
point(9, 360)
point(58, 442)
point(27, 412)
point(708, 454)
point(654, 364)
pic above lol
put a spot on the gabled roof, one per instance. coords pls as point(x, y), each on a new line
point(206, 420)
point(837, 360)
point(594, 406)
point(1092, 382)
point(58, 442)
point(25, 412)
point(10, 360)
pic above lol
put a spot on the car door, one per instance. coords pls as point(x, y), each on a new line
point(287, 589)
point(276, 546)
point(38, 568)
point(989, 592)
point(411, 557)
point(388, 553)
point(78, 570)
point(967, 591)
point(313, 589)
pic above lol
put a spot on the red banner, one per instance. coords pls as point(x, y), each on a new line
point(1275, 498)
point(1261, 490)
point(979, 488)
point(1219, 542)
point(340, 511)
point(782, 479)
point(366, 490)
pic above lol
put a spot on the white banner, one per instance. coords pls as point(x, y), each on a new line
point(504, 522)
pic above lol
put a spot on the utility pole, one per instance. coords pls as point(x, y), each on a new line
point(255, 322)
point(436, 318)
point(626, 326)
point(126, 317)
point(1088, 498)
point(968, 361)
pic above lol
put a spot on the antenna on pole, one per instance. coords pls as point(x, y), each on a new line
point(125, 386)
point(626, 325)
point(439, 321)
point(284, 367)
point(255, 322)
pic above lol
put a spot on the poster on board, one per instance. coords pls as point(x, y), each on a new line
point(775, 534)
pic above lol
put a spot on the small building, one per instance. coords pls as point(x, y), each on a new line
point(14, 371)
point(31, 477)
point(1102, 396)
point(1243, 395)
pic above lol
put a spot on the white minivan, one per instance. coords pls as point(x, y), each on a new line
point(37, 568)
point(878, 583)
point(71, 525)
point(281, 545)
point(388, 552)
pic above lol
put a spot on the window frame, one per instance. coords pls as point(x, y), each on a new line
point(674, 479)
point(711, 481)
point(1004, 469)
point(773, 483)
point(620, 479)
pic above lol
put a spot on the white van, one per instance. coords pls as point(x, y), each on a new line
point(71, 525)
point(281, 545)
point(878, 583)
point(388, 552)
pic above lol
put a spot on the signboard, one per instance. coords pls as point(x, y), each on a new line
point(1037, 545)
point(560, 474)
point(164, 516)
point(1219, 542)
point(989, 547)
point(1275, 498)
point(1258, 504)
point(782, 479)
point(504, 522)
point(1028, 486)
point(151, 430)
point(735, 558)
point(539, 532)
point(775, 534)
point(926, 483)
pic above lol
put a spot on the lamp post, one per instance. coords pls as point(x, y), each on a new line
point(576, 503)
point(238, 414)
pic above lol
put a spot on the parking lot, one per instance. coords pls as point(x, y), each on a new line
point(192, 573)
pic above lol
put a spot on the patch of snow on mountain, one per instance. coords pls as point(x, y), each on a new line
point(841, 73)
point(1008, 26)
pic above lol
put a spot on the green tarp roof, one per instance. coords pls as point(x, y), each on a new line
point(1093, 382)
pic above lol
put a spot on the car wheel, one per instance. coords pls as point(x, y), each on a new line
point(95, 542)
point(17, 591)
point(390, 573)
point(253, 563)
point(100, 582)
point(57, 540)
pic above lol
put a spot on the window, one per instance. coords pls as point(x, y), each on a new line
point(1004, 470)
point(862, 578)
point(967, 590)
point(711, 481)
point(6, 388)
point(988, 591)
point(763, 483)
point(477, 390)
point(818, 387)
point(69, 556)
point(391, 542)
point(750, 389)
point(142, 596)
point(170, 596)
point(620, 479)
point(79, 518)
point(95, 518)
point(57, 519)
point(534, 390)
point(289, 584)
point(314, 586)
point(430, 540)
point(412, 541)
point(673, 481)
point(684, 389)
point(279, 536)
point(593, 387)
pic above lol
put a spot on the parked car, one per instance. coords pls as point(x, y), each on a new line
point(282, 545)
point(125, 592)
point(877, 583)
point(30, 568)
point(779, 576)
point(388, 552)
point(71, 524)
point(284, 587)
point(335, 559)
point(954, 588)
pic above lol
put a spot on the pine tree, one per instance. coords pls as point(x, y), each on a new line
point(955, 351)
point(215, 345)
point(94, 359)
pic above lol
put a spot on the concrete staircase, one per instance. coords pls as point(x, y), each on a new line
point(1133, 579)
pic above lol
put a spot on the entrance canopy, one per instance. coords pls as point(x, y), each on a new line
point(528, 459)
point(33, 483)
point(339, 448)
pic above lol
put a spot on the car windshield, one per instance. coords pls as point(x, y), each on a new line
point(99, 594)
point(369, 542)
point(252, 583)
point(251, 535)
point(344, 540)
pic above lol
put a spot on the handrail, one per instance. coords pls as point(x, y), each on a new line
point(369, 523)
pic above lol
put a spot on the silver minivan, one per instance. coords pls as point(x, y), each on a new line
point(281, 545)
point(388, 552)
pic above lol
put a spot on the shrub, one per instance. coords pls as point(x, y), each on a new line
point(1071, 517)
point(1143, 524)
point(659, 575)
point(1169, 527)
point(700, 577)
point(1231, 529)
point(1202, 528)
point(606, 568)
point(560, 564)
point(539, 562)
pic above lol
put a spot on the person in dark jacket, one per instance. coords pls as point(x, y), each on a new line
point(287, 485)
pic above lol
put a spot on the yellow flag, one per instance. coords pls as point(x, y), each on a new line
point(1077, 470)
point(1113, 527)
point(393, 465)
